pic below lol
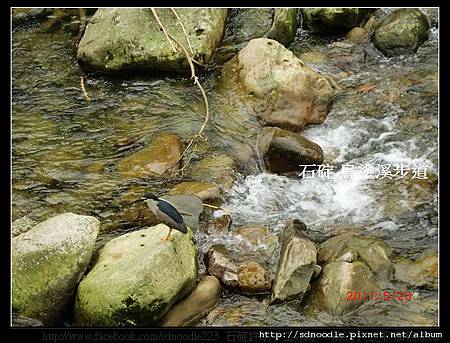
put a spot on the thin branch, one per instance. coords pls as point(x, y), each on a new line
point(162, 28)
point(184, 30)
point(86, 96)
point(217, 208)
point(82, 27)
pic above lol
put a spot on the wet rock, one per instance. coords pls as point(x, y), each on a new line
point(148, 276)
point(333, 21)
point(202, 299)
point(220, 264)
point(220, 224)
point(296, 266)
point(48, 261)
point(204, 190)
point(130, 38)
point(257, 238)
point(284, 25)
point(253, 278)
point(190, 206)
point(422, 272)
point(21, 321)
point(284, 151)
point(357, 35)
point(401, 32)
point(349, 247)
point(161, 157)
point(22, 225)
point(339, 278)
point(24, 15)
point(283, 90)
point(214, 168)
point(250, 23)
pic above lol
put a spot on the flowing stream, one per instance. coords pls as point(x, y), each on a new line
point(65, 151)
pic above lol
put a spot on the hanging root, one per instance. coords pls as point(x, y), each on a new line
point(194, 140)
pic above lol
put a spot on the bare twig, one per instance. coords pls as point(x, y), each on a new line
point(217, 208)
point(184, 30)
point(163, 29)
point(86, 96)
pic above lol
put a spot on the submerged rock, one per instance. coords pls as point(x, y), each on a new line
point(204, 190)
point(130, 38)
point(333, 21)
point(189, 311)
point(137, 278)
point(214, 168)
point(220, 224)
point(161, 157)
point(48, 261)
point(284, 151)
point(349, 247)
point(337, 280)
point(401, 32)
point(284, 91)
point(253, 278)
point(296, 266)
point(422, 272)
point(256, 237)
point(220, 264)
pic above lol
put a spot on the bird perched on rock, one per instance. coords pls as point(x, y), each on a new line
point(165, 213)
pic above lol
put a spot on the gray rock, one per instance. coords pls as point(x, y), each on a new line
point(333, 21)
point(401, 32)
point(279, 24)
point(296, 266)
point(339, 278)
point(220, 224)
point(190, 206)
point(48, 261)
point(283, 91)
point(137, 278)
point(189, 311)
point(130, 38)
point(284, 151)
point(349, 247)
point(220, 264)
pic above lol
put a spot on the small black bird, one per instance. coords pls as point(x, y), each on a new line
point(165, 213)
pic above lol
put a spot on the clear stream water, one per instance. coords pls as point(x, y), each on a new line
point(65, 151)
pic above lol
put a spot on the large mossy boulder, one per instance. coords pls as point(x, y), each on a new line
point(284, 151)
point(130, 38)
point(283, 90)
point(48, 261)
point(401, 32)
point(335, 20)
point(297, 264)
point(137, 278)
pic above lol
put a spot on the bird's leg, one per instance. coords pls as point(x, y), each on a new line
point(168, 237)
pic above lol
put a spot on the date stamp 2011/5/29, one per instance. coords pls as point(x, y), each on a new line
point(401, 296)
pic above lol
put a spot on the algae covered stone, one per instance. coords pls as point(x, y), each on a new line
point(48, 261)
point(401, 32)
point(137, 278)
point(130, 38)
